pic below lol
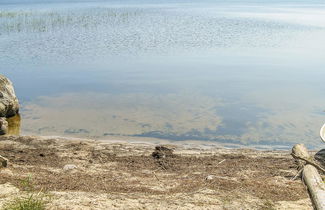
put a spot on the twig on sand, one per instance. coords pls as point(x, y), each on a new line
point(298, 174)
point(159, 181)
point(309, 162)
point(221, 161)
point(154, 173)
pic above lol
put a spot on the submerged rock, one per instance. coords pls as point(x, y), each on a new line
point(9, 105)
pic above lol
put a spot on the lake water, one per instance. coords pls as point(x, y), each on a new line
point(239, 72)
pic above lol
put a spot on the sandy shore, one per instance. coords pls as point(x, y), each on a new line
point(135, 175)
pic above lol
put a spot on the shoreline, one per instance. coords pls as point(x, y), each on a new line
point(185, 143)
point(88, 174)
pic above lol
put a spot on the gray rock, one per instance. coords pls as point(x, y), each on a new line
point(69, 167)
point(210, 177)
point(3, 126)
point(9, 105)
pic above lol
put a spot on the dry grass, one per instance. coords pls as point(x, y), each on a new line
point(114, 174)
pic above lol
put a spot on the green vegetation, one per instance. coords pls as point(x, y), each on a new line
point(40, 21)
point(32, 200)
point(9, 14)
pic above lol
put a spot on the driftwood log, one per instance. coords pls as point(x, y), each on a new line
point(311, 177)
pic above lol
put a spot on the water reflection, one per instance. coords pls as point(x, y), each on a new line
point(14, 125)
point(99, 114)
point(205, 71)
point(182, 116)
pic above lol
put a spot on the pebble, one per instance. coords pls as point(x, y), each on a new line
point(209, 177)
point(69, 167)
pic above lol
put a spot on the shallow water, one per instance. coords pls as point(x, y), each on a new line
point(238, 72)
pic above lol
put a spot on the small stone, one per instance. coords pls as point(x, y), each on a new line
point(69, 167)
point(3, 162)
point(209, 177)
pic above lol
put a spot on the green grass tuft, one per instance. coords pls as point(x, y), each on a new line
point(33, 200)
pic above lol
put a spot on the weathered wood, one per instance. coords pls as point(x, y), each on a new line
point(311, 177)
point(3, 162)
point(300, 152)
point(315, 185)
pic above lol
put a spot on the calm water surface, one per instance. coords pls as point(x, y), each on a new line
point(243, 72)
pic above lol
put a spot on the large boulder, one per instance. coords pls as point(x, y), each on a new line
point(9, 105)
